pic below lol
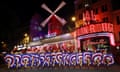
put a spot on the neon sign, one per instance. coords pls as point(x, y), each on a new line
point(59, 58)
point(88, 15)
point(95, 28)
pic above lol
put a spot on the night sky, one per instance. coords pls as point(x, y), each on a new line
point(16, 16)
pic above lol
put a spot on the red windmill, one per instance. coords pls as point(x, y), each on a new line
point(55, 22)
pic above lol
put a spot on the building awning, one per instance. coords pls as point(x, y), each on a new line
point(67, 36)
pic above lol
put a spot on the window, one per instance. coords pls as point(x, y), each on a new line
point(80, 6)
point(104, 8)
point(118, 19)
point(105, 19)
point(80, 16)
point(96, 11)
point(94, 1)
point(115, 4)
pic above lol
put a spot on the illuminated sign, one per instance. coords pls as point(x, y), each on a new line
point(110, 35)
point(36, 38)
point(95, 28)
point(51, 35)
point(51, 59)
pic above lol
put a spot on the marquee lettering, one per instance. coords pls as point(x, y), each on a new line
point(95, 28)
point(92, 28)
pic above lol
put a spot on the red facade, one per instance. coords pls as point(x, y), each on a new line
point(54, 26)
point(103, 11)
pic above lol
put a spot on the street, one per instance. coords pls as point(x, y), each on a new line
point(113, 68)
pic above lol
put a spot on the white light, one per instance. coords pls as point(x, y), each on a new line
point(118, 47)
point(86, 5)
point(94, 35)
point(4, 52)
point(36, 38)
point(29, 47)
point(112, 41)
point(66, 35)
point(73, 19)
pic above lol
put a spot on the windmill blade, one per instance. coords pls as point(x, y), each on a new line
point(60, 6)
point(46, 20)
point(61, 20)
point(44, 6)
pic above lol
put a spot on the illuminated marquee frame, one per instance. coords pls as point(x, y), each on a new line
point(110, 35)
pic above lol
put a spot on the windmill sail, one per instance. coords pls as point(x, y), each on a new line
point(61, 20)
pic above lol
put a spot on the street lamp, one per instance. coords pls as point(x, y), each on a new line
point(73, 18)
point(2, 42)
point(26, 40)
point(25, 34)
point(4, 47)
point(117, 47)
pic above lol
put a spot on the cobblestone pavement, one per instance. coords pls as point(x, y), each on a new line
point(113, 68)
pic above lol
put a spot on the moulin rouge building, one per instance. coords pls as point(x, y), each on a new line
point(94, 19)
point(95, 37)
point(105, 11)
